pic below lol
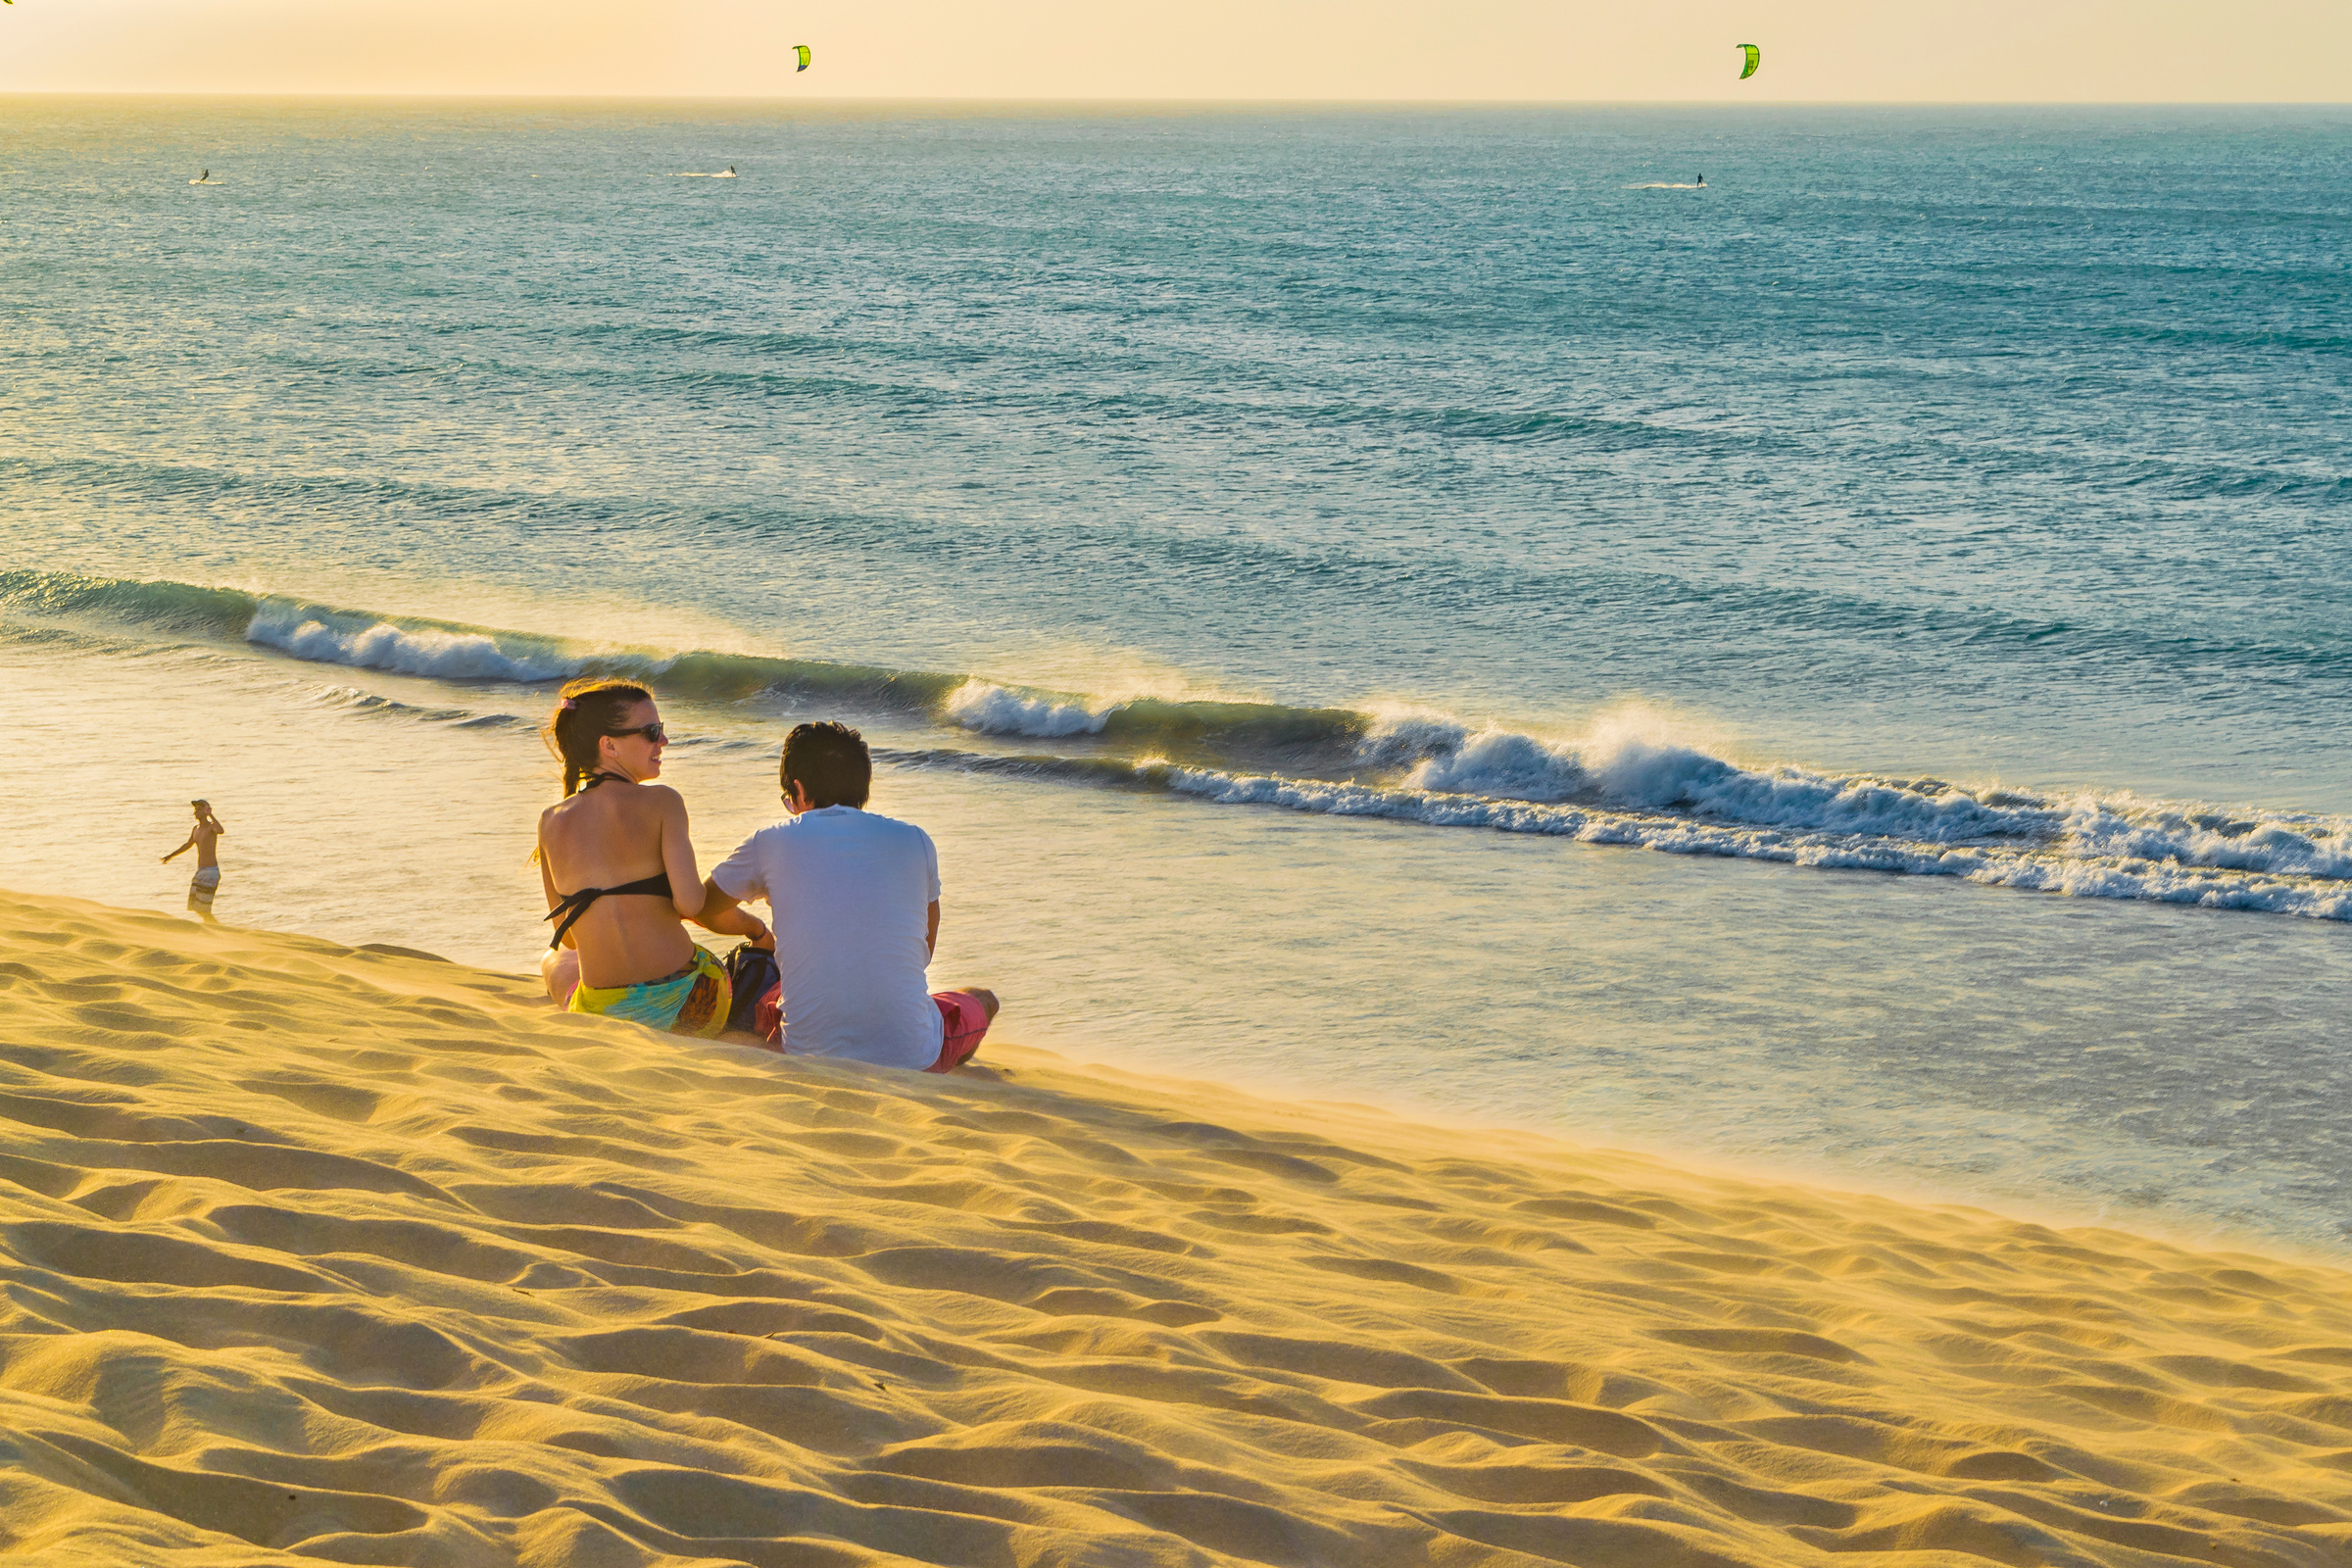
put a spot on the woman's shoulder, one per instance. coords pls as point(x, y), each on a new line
point(608, 808)
point(656, 798)
point(642, 806)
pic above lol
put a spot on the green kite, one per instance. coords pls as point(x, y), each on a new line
point(1754, 57)
point(799, 49)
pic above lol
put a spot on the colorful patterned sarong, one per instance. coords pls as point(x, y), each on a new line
point(692, 1002)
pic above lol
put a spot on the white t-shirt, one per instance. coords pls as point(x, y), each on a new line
point(849, 894)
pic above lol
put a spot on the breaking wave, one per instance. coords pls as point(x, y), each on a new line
point(1635, 776)
point(2099, 849)
point(1631, 780)
point(992, 710)
point(447, 652)
point(2086, 847)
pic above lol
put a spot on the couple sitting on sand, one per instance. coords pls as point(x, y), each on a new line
point(854, 896)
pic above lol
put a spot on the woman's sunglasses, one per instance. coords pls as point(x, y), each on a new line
point(652, 732)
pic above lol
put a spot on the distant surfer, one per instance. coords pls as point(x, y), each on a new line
point(205, 839)
point(1702, 183)
point(730, 169)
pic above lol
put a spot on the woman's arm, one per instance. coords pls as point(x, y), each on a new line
point(728, 918)
point(677, 852)
point(687, 890)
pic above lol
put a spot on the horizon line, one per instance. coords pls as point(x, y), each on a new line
point(1236, 103)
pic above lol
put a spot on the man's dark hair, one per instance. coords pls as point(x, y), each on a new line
point(830, 761)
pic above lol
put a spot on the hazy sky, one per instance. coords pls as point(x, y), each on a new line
point(2066, 50)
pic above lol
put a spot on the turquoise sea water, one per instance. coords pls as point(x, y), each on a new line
point(1296, 562)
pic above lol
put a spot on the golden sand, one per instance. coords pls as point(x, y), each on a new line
point(308, 1253)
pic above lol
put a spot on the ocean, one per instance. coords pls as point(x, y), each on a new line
point(1841, 669)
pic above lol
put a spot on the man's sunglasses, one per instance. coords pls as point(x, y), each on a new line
point(652, 732)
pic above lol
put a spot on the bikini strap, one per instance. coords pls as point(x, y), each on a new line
point(570, 908)
point(574, 904)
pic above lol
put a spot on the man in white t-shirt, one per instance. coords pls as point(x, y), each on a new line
point(854, 904)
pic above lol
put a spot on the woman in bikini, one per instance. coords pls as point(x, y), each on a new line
point(619, 873)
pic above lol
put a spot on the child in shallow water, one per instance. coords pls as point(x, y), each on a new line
point(618, 866)
point(205, 839)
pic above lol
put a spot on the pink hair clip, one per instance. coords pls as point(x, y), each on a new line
point(569, 705)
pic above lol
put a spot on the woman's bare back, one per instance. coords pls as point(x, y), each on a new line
point(608, 837)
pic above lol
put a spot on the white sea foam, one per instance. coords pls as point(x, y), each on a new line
point(1402, 736)
point(2268, 843)
point(1638, 758)
point(1636, 775)
point(2104, 850)
point(992, 710)
point(306, 632)
point(1505, 764)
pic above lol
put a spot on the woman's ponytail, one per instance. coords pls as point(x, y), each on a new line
point(591, 710)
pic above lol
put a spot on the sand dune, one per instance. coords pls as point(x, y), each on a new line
point(313, 1253)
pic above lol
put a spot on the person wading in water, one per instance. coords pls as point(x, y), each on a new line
point(205, 839)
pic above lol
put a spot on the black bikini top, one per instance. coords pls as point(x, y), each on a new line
point(573, 905)
point(576, 905)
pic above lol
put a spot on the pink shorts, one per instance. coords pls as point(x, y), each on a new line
point(966, 1021)
point(963, 1018)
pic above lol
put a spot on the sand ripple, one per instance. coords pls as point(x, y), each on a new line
point(308, 1253)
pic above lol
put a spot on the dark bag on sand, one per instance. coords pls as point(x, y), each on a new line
point(753, 973)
